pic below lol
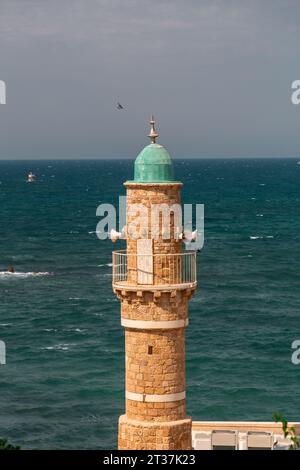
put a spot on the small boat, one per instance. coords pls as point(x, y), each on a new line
point(31, 177)
point(298, 162)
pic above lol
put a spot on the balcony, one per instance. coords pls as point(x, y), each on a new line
point(154, 271)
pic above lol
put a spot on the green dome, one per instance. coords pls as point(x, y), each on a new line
point(153, 165)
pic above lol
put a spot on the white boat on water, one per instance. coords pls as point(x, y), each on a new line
point(31, 177)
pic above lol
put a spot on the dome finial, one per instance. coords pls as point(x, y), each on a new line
point(153, 134)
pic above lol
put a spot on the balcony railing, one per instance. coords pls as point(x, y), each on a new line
point(154, 269)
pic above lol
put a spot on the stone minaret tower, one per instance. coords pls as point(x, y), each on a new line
point(154, 279)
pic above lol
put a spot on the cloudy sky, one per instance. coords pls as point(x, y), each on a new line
point(216, 74)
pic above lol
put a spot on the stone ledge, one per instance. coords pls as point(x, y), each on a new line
point(120, 287)
point(153, 424)
point(137, 185)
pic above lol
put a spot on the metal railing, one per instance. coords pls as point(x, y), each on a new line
point(156, 269)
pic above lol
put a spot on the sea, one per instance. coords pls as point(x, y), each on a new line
point(62, 386)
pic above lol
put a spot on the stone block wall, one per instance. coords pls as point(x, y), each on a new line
point(166, 268)
point(154, 321)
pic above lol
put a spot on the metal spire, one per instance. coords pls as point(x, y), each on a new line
point(153, 134)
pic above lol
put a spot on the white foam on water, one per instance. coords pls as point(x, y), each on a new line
point(261, 237)
point(59, 347)
point(7, 274)
point(78, 330)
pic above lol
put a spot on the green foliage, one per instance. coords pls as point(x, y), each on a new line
point(5, 445)
point(289, 432)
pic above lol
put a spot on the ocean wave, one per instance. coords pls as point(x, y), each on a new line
point(253, 237)
point(59, 347)
point(7, 274)
point(77, 330)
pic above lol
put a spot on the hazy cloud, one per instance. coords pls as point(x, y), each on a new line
point(216, 74)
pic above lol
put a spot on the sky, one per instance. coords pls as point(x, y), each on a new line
point(216, 74)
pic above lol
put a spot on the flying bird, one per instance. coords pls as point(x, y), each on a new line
point(119, 106)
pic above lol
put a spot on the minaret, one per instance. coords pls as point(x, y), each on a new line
point(154, 279)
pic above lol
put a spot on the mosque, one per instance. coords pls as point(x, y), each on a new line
point(154, 279)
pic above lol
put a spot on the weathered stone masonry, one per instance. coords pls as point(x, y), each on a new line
point(154, 316)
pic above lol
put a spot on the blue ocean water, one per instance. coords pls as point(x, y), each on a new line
point(63, 384)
